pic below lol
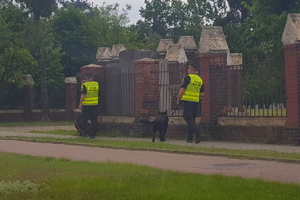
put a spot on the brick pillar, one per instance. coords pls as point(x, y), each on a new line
point(292, 84)
point(146, 84)
point(71, 96)
point(192, 57)
point(99, 75)
point(29, 98)
point(207, 60)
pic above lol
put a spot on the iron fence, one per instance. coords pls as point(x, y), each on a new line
point(251, 90)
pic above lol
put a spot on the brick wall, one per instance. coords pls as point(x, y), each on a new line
point(206, 62)
point(258, 134)
point(71, 97)
point(254, 134)
point(292, 65)
point(146, 84)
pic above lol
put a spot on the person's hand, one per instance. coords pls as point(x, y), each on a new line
point(80, 107)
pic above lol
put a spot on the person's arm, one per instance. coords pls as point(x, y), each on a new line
point(202, 90)
point(182, 89)
point(82, 96)
point(180, 94)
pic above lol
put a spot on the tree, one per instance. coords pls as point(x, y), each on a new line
point(156, 14)
point(200, 13)
point(81, 4)
point(15, 59)
point(141, 36)
point(174, 18)
point(81, 32)
point(38, 8)
point(108, 26)
point(232, 12)
point(41, 45)
point(76, 41)
point(258, 37)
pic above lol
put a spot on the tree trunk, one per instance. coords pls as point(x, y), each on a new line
point(44, 98)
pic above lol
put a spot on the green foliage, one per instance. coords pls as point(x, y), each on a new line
point(75, 41)
point(156, 14)
point(39, 8)
point(107, 25)
point(15, 59)
point(40, 42)
point(174, 18)
point(258, 37)
point(80, 33)
point(81, 4)
point(141, 36)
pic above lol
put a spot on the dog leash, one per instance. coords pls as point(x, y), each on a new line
point(176, 108)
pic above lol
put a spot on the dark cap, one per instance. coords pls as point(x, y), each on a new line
point(193, 66)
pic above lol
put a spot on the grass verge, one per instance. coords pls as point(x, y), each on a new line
point(36, 123)
point(122, 143)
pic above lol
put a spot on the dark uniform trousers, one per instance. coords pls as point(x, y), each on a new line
point(190, 112)
point(90, 113)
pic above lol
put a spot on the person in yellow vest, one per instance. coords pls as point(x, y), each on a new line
point(89, 105)
point(189, 96)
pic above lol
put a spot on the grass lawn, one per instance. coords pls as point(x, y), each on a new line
point(26, 177)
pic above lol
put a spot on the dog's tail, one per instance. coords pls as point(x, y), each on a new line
point(146, 121)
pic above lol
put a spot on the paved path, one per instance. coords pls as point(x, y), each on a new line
point(267, 170)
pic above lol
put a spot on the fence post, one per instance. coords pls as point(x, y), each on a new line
point(213, 52)
point(71, 96)
point(29, 98)
point(146, 84)
point(291, 47)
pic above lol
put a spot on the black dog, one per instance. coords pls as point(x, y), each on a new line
point(78, 125)
point(160, 123)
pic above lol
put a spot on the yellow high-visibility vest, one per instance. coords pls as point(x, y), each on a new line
point(92, 89)
point(192, 91)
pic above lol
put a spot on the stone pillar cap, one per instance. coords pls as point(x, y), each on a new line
point(91, 65)
point(212, 39)
point(176, 53)
point(70, 80)
point(188, 43)
point(116, 49)
point(291, 33)
point(235, 59)
point(164, 45)
point(103, 53)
